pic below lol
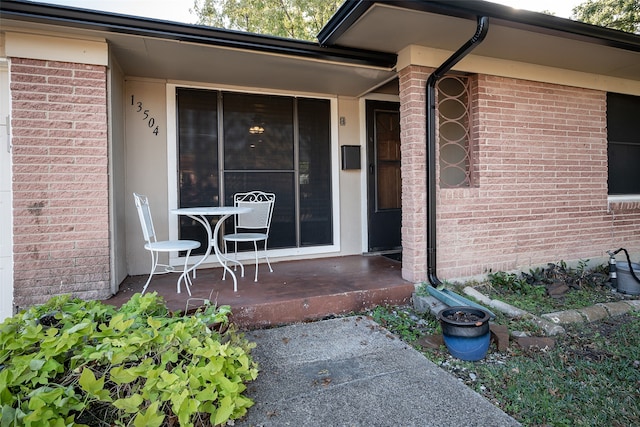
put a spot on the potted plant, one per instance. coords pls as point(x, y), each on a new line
point(465, 331)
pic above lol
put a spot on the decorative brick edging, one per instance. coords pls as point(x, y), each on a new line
point(595, 312)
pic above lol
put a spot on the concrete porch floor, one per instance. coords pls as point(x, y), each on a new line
point(296, 291)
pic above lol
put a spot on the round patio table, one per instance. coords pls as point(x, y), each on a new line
point(200, 215)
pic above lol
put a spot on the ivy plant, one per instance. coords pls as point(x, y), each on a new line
point(72, 363)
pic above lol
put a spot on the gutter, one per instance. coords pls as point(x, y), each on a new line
point(481, 32)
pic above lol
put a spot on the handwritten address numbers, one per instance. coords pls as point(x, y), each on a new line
point(146, 116)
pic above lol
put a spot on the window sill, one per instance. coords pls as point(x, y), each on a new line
point(624, 203)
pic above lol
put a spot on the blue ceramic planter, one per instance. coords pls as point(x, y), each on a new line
point(466, 332)
point(467, 348)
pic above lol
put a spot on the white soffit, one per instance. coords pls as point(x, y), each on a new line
point(172, 60)
point(391, 29)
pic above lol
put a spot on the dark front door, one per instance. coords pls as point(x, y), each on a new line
point(384, 184)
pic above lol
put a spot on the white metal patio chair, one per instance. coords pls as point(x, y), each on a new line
point(156, 247)
point(253, 226)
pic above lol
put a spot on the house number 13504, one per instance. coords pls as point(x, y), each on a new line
point(151, 121)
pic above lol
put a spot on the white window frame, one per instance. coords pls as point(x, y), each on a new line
point(172, 165)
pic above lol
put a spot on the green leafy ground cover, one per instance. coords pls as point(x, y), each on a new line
point(71, 362)
point(591, 376)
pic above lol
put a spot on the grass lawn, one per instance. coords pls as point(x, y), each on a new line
point(591, 376)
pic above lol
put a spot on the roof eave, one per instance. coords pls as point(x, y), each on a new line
point(147, 27)
point(542, 23)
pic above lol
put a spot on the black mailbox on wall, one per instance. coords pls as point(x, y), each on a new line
point(350, 157)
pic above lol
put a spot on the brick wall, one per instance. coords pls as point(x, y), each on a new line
point(539, 192)
point(413, 171)
point(60, 180)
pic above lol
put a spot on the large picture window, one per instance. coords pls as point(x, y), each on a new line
point(234, 142)
point(623, 149)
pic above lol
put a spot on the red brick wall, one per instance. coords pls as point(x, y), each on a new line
point(60, 180)
point(540, 181)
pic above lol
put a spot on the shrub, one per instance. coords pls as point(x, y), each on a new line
point(71, 362)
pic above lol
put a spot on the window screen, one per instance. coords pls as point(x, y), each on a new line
point(276, 144)
point(623, 149)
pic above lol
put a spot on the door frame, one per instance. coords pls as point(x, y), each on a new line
point(172, 165)
point(6, 215)
point(365, 169)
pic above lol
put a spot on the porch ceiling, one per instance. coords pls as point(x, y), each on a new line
point(511, 39)
point(175, 60)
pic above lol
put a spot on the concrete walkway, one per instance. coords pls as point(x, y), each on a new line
point(351, 372)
